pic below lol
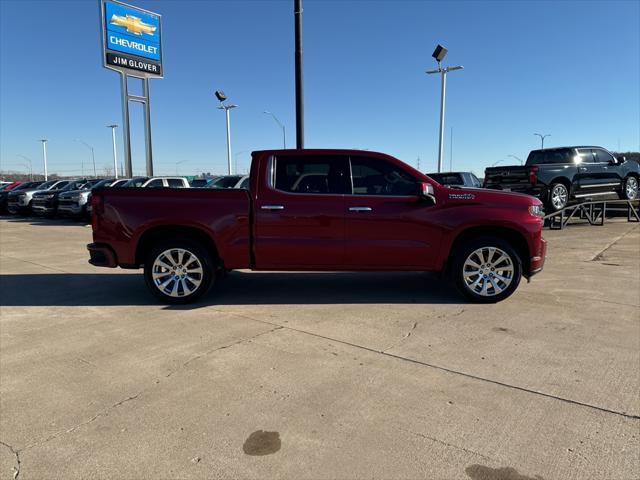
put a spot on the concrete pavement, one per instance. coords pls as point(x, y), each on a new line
point(319, 375)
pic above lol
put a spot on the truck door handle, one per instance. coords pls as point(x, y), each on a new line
point(360, 209)
point(272, 207)
point(582, 169)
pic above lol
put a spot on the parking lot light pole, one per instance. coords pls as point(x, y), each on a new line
point(284, 133)
point(30, 166)
point(542, 137)
point(178, 163)
point(439, 53)
point(517, 158)
point(93, 158)
point(115, 150)
point(44, 157)
point(222, 97)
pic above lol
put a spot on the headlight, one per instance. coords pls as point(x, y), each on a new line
point(536, 210)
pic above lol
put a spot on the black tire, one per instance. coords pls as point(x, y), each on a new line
point(629, 188)
point(185, 280)
point(558, 197)
point(497, 288)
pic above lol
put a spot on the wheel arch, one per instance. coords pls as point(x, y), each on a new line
point(163, 232)
point(512, 236)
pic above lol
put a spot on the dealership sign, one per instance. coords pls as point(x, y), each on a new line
point(131, 39)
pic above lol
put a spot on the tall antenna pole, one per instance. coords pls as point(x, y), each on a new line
point(297, 13)
point(451, 150)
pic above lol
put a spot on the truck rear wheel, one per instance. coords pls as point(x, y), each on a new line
point(179, 271)
point(558, 196)
point(487, 269)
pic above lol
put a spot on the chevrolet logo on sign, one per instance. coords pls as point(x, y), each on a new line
point(132, 38)
point(133, 24)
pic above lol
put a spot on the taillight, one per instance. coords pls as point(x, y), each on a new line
point(97, 208)
point(533, 175)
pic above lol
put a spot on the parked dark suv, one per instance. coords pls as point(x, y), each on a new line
point(558, 175)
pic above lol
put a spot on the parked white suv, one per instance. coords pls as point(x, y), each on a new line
point(158, 182)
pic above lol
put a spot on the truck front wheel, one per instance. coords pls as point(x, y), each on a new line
point(179, 271)
point(487, 269)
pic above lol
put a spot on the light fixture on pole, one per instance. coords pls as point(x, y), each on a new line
point(284, 133)
point(439, 53)
point(115, 150)
point(178, 163)
point(517, 158)
point(222, 97)
point(93, 158)
point(44, 157)
point(499, 161)
point(30, 166)
point(542, 137)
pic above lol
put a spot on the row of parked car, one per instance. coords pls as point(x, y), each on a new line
point(73, 197)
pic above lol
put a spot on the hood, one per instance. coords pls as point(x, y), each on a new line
point(40, 193)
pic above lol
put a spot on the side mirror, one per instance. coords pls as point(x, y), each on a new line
point(427, 192)
point(621, 159)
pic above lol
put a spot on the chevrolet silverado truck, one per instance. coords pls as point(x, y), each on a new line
point(560, 175)
point(344, 210)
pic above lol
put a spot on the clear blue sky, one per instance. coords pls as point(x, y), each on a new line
point(571, 69)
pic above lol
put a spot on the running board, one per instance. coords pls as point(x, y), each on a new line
point(582, 195)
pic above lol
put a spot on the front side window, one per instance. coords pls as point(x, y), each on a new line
point(372, 176)
point(603, 156)
point(312, 174)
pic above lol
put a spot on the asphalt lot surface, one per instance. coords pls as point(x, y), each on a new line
point(318, 375)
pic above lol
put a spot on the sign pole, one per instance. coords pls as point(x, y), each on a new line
point(147, 127)
point(126, 132)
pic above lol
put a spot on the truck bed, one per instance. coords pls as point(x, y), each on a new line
point(513, 178)
point(127, 213)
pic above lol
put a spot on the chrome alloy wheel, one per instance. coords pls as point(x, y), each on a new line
point(177, 272)
point(488, 271)
point(631, 188)
point(559, 197)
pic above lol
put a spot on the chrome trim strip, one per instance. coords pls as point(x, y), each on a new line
point(600, 185)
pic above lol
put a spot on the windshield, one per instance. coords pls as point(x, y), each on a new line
point(447, 178)
point(226, 182)
point(46, 185)
point(102, 183)
point(74, 185)
point(135, 182)
point(26, 186)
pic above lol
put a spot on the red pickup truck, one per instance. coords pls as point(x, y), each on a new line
point(346, 210)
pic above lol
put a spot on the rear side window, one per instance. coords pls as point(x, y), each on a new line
point(155, 183)
point(175, 183)
point(372, 176)
point(312, 174)
point(550, 156)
